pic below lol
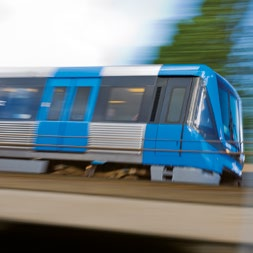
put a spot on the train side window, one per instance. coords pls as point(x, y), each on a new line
point(124, 103)
point(57, 103)
point(20, 98)
point(80, 104)
point(224, 102)
point(234, 119)
point(176, 104)
point(155, 105)
point(174, 99)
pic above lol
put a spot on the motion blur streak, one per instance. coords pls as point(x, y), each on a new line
point(227, 224)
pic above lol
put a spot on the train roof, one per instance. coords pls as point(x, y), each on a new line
point(100, 71)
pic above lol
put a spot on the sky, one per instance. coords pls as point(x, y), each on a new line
point(82, 32)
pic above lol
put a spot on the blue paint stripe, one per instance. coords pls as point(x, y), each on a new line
point(78, 72)
point(185, 70)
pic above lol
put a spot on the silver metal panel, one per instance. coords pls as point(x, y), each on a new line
point(116, 137)
point(90, 156)
point(195, 175)
point(23, 166)
point(135, 70)
point(17, 134)
point(156, 173)
point(27, 72)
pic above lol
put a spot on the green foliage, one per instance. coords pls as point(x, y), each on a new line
point(206, 38)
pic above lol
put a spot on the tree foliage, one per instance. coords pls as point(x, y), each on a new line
point(206, 38)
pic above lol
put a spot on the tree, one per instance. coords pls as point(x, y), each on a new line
point(206, 39)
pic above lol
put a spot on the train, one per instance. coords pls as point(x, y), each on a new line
point(179, 122)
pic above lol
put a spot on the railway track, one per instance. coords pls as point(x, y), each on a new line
point(141, 189)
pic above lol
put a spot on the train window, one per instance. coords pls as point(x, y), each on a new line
point(174, 99)
point(124, 104)
point(57, 103)
point(125, 99)
point(203, 117)
point(156, 101)
point(20, 98)
point(230, 116)
point(79, 107)
point(224, 102)
point(175, 105)
point(234, 130)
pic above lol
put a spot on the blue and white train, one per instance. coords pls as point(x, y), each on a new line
point(181, 122)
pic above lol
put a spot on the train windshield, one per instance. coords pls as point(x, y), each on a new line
point(230, 117)
point(201, 113)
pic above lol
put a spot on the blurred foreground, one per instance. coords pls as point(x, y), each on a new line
point(41, 212)
point(34, 238)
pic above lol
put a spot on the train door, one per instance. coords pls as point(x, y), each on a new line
point(65, 112)
point(169, 109)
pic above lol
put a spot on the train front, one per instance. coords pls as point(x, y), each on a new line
point(213, 136)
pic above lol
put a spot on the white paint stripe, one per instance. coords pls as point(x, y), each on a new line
point(137, 70)
point(182, 220)
point(27, 72)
